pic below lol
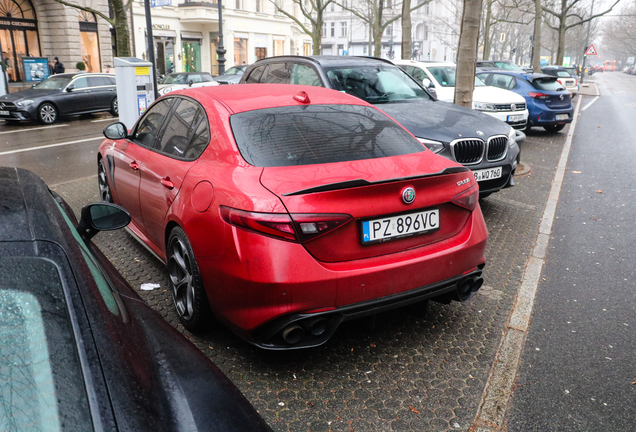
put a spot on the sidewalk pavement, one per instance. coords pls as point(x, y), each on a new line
point(589, 88)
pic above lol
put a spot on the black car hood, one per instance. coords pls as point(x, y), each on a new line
point(443, 121)
point(27, 94)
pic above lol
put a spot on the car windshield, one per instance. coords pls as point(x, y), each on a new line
point(53, 83)
point(234, 71)
point(445, 76)
point(174, 79)
point(376, 84)
point(547, 84)
point(508, 66)
point(319, 134)
point(41, 386)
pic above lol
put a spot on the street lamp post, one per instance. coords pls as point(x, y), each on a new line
point(151, 47)
point(220, 50)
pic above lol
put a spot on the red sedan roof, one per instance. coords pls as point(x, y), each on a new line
point(248, 97)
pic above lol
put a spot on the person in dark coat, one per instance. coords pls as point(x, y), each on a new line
point(58, 67)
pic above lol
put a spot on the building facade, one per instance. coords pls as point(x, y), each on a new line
point(48, 29)
point(186, 34)
point(435, 28)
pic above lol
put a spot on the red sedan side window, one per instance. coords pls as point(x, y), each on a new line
point(150, 125)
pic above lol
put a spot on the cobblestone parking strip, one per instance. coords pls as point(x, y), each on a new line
point(408, 373)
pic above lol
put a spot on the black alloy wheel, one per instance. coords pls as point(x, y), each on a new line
point(554, 128)
point(47, 113)
point(102, 181)
point(114, 107)
point(188, 294)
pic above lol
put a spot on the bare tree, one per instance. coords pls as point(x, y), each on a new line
point(467, 53)
point(567, 17)
point(314, 11)
point(621, 33)
point(119, 22)
point(372, 12)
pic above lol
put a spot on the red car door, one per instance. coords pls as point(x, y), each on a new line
point(131, 155)
point(164, 171)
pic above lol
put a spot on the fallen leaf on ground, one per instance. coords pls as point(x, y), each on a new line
point(576, 172)
point(417, 412)
point(599, 191)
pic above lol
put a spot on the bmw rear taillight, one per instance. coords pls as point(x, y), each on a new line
point(467, 199)
point(537, 95)
point(297, 228)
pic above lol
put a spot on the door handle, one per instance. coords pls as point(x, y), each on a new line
point(134, 165)
point(167, 183)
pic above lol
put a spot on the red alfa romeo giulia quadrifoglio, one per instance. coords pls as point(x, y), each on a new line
point(285, 210)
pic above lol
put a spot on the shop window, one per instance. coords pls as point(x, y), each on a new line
point(191, 55)
point(240, 51)
point(261, 53)
point(18, 36)
point(89, 41)
point(279, 47)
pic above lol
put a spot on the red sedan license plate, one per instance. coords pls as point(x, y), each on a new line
point(392, 227)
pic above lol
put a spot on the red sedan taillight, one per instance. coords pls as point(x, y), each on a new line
point(468, 198)
point(296, 228)
point(537, 95)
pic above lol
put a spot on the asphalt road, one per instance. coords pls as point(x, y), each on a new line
point(72, 151)
point(577, 371)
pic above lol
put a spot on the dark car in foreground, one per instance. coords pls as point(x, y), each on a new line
point(548, 102)
point(80, 350)
point(484, 144)
point(285, 210)
point(62, 95)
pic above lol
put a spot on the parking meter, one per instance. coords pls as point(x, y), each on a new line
point(135, 91)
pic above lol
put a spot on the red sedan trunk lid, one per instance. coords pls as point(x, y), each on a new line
point(371, 189)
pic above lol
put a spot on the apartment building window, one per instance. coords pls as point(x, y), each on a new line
point(258, 6)
point(343, 29)
point(389, 4)
point(426, 9)
point(333, 6)
point(324, 29)
point(333, 29)
point(389, 30)
point(238, 5)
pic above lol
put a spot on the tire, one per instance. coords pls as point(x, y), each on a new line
point(554, 128)
point(114, 107)
point(102, 180)
point(188, 295)
point(47, 113)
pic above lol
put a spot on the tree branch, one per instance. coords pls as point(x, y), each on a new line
point(87, 9)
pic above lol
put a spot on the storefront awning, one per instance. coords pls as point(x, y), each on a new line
point(191, 35)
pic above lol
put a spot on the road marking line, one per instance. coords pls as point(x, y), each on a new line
point(35, 128)
point(51, 145)
point(591, 102)
point(107, 119)
point(493, 406)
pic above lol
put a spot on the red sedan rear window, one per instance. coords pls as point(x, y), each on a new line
point(317, 134)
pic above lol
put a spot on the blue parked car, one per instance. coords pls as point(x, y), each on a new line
point(549, 103)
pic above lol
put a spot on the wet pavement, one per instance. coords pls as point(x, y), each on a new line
point(407, 372)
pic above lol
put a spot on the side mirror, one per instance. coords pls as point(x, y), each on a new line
point(190, 83)
point(98, 217)
point(70, 88)
point(116, 131)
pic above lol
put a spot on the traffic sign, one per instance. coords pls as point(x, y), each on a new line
point(591, 51)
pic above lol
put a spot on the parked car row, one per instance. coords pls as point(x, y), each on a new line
point(631, 69)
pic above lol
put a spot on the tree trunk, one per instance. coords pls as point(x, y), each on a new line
point(486, 53)
point(316, 35)
point(536, 52)
point(377, 31)
point(467, 53)
point(561, 46)
point(120, 22)
point(406, 30)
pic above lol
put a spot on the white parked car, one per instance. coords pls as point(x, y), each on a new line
point(184, 80)
point(504, 105)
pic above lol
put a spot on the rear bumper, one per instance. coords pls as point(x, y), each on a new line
point(274, 281)
point(547, 117)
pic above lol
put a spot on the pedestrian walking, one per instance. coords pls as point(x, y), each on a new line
point(58, 66)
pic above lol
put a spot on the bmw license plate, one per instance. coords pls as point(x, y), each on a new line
point(515, 118)
point(381, 229)
point(487, 174)
point(562, 116)
point(4, 112)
